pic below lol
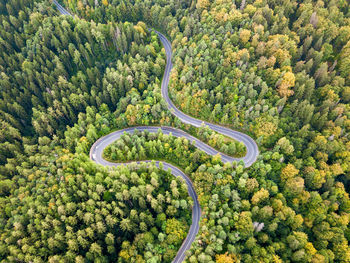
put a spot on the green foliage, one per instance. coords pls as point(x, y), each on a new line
point(65, 214)
point(218, 141)
point(278, 70)
point(66, 66)
point(145, 145)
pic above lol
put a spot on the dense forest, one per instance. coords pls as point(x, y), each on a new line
point(278, 70)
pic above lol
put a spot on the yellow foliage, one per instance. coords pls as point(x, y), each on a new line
point(298, 221)
point(259, 196)
point(281, 46)
point(282, 55)
point(251, 184)
point(342, 251)
point(31, 177)
point(140, 29)
point(344, 219)
point(250, 9)
point(289, 172)
point(244, 35)
point(258, 29)
point(51, 204)
point(124, 254)
point(344, 64)
point(276, 259)
point(221, 2)
point(105, 2)
point(243, 54)
point(318, 258)
point(287, 69)
point(234, 15)
point(328, 93)
point(197, 102)
point(266, 126)
point(202, 4)
point(255, 41)
point(226, 258)
point(146, 108)
point(320, 141)
point(271, 62)
point(80, 5)
point(287, 82)
point(222, 15)
point(321, 156)
point(216, 158)
point(304, 197)
point(310, 249)
point(184, 40)
point(175, 227)
point(336, 169)
point(205, 37)
point(68, 177)
point(83, 139)
point(295, 185)
point(142, 24)
point(131, 112)
point(55, 187)
point(63, 158)
point(151, 47)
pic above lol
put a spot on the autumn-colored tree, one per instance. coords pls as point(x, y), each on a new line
point(203, 4)
point(286, 83)
point(245, 35)
point(288, 172)
point(260, 196)
point(226, 258)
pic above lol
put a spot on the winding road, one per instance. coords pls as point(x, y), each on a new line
point(97, 148)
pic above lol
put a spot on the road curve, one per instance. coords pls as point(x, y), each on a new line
point(250, 144)
point(96, 151)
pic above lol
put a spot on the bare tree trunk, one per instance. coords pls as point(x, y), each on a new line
point(242, 5)
point(314, 19)
point(333, 66)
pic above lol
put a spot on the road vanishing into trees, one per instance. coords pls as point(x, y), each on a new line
point(96, 151)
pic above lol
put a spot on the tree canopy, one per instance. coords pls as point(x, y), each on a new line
point(276, 70)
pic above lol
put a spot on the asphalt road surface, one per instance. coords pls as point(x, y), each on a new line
point(97, 148)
